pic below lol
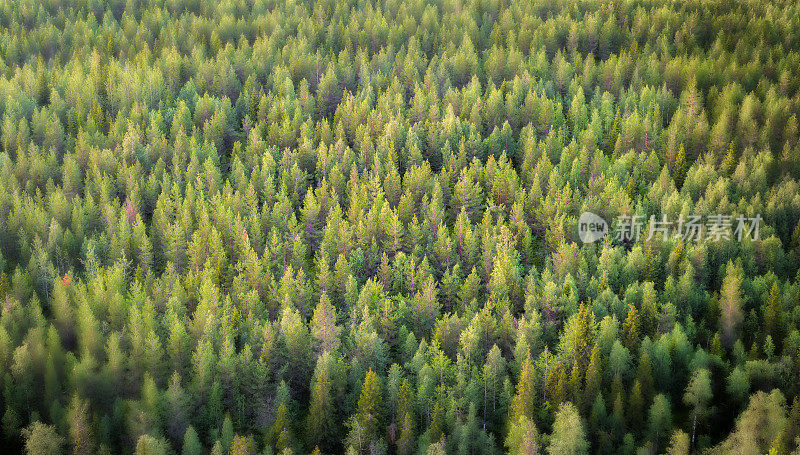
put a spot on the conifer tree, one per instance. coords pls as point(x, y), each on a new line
point(320, 423)
point(524, 400)
point(773, 313)
point(323, 325)
point(405, 444)
point(279, 435)
point(369, 411)
point(523, 438)
point(191, 443)
point(698, 394)
point(630, 329)
point(594, 377)
point(644, 375)
point(731, 304)
point(42, 439)
point(636, 405)
point(80, 435)
point(569, 435)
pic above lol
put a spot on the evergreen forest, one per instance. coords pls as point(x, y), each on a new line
point(289, 227)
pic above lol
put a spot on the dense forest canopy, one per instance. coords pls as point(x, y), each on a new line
point(332, 226)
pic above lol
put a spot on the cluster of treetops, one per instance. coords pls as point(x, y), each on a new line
point(285, 226)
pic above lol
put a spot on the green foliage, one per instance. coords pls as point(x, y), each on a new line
point(698, 394)
point(759, 426)
point(569, 435)
point(275, 227)
point(191, 443)
point(321, 424)
point(42, 439)
point(659, 419)
point(522, 437)
point(731, 312)
point(148, 445)
point(524, 400)
point(369, 411)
